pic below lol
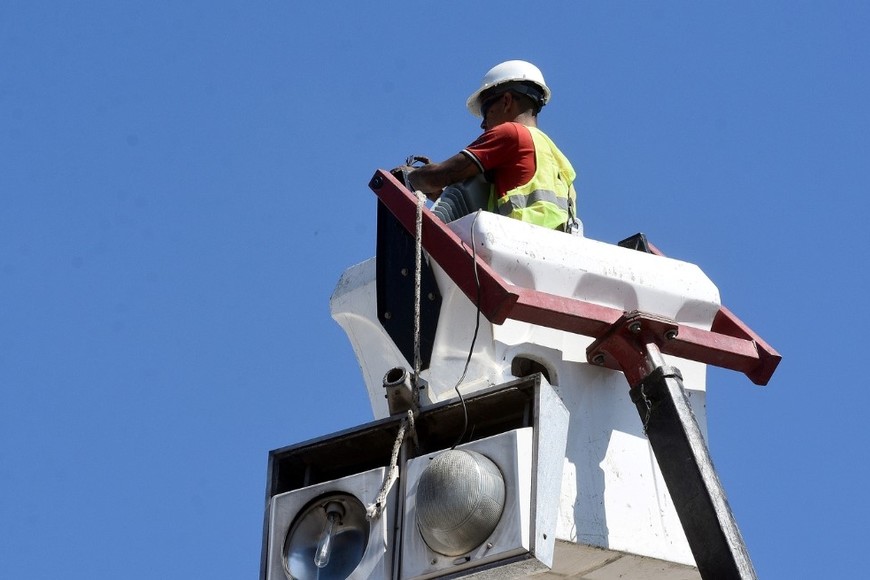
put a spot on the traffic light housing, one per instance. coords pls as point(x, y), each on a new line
point(520, 427)
point(321, 531)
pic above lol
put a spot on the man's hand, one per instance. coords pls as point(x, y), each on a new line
point(411, 163)
point(432, 178)
point(403, 174)
point(421, 159)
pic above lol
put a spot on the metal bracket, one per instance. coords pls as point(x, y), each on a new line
point(624, 345)
point(400, 395)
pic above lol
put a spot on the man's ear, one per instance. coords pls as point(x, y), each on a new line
point(513, 103)
point(507, 100)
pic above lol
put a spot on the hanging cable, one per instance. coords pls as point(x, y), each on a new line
point(473, 337)
point(418, 267)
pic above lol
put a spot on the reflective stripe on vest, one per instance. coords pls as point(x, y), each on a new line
point(521, 201)
point(545, 199)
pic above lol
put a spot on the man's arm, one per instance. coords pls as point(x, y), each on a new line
point(432, 178)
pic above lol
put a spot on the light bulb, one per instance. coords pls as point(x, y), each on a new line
point(334, 512)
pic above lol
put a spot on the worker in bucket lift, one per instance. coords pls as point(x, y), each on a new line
point(513, 168)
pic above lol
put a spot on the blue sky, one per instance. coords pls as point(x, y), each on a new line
point(182, 184)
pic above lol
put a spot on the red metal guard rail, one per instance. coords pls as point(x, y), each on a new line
point(729, 344)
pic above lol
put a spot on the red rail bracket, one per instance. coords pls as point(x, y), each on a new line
point(624, 345)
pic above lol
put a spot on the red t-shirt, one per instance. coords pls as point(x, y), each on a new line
point(506, 154)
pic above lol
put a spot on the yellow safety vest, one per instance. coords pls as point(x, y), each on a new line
point(548, 199)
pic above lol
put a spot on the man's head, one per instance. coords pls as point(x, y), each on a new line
point(510, 102)
point(521, 81)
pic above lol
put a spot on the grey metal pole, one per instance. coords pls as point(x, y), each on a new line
point(688, 471)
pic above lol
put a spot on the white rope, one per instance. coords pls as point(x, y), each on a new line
point(376, 508)
point(418, 268)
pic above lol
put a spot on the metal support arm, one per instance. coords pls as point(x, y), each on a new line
point(679, 447)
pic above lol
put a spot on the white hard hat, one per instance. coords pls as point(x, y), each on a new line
point(506, 72)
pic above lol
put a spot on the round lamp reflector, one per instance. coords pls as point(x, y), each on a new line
point(343, 518)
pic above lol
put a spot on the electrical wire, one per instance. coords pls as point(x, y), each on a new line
point(417, 288)
point(473, 338)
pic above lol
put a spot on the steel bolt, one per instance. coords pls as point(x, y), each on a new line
point(634, 327)
point(598, 359)
point(671, 334)
point(377, 182)
point(404, 271)
point(388, 315)
point(431, 296)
